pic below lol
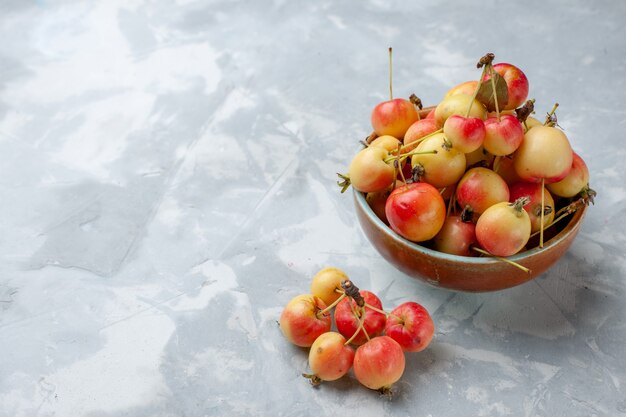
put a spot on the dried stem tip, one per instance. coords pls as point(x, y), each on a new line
point(485, 60)
point(343, 182)
point(371, 137)
point(352, 291)
point(546, 210)
point(519, 204)
point(417, 172)
point(315, 380)
point(416, 101)
point(588, 194)
point(467, 214)
point(526, 110)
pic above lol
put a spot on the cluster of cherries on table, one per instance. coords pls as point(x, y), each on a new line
point(365, 338)
point(477, 175)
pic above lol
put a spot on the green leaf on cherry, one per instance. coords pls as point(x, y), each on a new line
point(486, 96)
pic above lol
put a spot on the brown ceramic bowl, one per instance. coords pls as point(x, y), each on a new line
point(462, 273)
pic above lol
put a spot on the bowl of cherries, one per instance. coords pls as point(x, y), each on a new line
point(474, 193)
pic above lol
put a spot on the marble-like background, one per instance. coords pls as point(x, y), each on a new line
point(167, 184)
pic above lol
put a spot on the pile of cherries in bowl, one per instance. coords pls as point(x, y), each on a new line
point(476, 184)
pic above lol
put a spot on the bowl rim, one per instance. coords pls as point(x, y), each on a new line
point(554, 241)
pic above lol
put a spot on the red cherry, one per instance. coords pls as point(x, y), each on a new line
point(416, 211)
point(465, 133)
point(480, 188)
point(516, 82)
point(411, 326)
point(503, 136)
point(532, 190)
point(417, 131)
point(456, 237)
point(574, 182)
point(379, 363)
point(347, 323)
point(300, 322)
point(394, 117)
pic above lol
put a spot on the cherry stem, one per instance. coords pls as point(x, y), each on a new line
point(395, 173)
point(496, 163)
point(549, 119)
point(519, 204)
point(331, 306)
point(588, 194)
point(561, 217)
point(398, 167)
point(480, 81)
point(361, 319)
point(418, 141)
point(500, 258)
point(371, 137)
point(315, 380)
point(386, 391)
point(390, 76)
point(493, 87)
point(451, 204)
point(569, 209)
point(353, 292)
point(402, 157)
point(344, 182)
point(543, 203)
point(378, 310)
point(417, 102)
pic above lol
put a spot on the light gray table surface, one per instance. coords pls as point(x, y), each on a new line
point(167, 184)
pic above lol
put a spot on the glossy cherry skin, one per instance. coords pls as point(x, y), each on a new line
point(458, 104)
point(532, 190)
point(480, 188)
point(369, 170)
point(456, 237)
point(467, 88)
point(326, 284)
point(378, 200)
point(411, 326)
point(503, 136)
point(329, 357)
point(545, 154)
point(417, 131)
point(503, 230)
point(416, 211)
point(465, 133)
point(393, 117)
point(379, 363)
point(299, 320)
point(575, 181)
point(516, 82)
point(440, 169)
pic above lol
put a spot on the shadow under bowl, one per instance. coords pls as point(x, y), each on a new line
point(461, 273)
